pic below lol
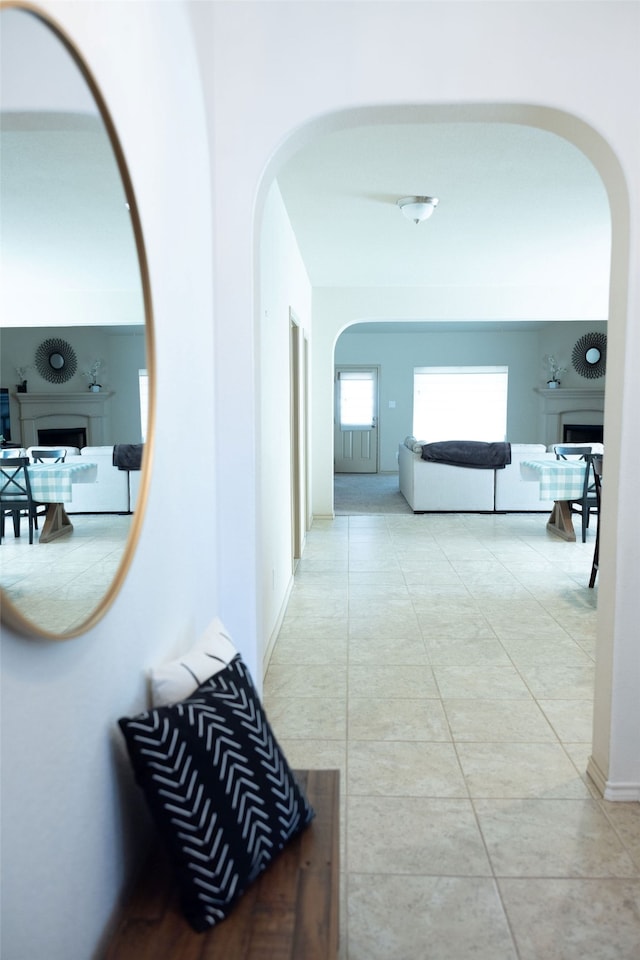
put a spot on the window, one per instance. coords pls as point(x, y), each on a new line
point(143, 387)
point(356, 399)
point(460, 403)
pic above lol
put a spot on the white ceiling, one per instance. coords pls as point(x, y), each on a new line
point(518, 206)
point(63, 207)
point(67, 250)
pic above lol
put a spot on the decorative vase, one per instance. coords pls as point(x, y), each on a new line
point(553, 384)
point(21, 387)
point(94, 387)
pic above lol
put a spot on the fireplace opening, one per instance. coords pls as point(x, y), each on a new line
point(63, 437)
point(582, 433)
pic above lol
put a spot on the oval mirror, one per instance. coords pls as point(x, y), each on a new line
point(592, 355)
point(77, 339)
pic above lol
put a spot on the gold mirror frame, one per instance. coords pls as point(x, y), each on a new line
point(9, 614)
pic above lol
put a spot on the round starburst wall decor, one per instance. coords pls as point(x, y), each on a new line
point(56, 360)
point(589, 355)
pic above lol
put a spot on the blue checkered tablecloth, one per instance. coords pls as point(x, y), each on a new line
point(559, 479)
point(52, 482)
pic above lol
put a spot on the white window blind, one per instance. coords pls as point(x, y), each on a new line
point(460, 403)
point(356, 403)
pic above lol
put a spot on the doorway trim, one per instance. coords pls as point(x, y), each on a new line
point(298, 386)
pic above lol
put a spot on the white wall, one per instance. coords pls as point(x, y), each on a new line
point(269, 69)
point(284, 288)
point(72, 818)
point(123, 354)
point(521, 350)
point(569, 68)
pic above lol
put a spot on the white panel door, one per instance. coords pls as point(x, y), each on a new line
point(356, 420)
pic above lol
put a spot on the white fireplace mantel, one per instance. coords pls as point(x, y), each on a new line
point(59, 410)
point(561, 405)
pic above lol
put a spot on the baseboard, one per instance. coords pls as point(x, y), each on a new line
point(276, 630)
point(625, 792)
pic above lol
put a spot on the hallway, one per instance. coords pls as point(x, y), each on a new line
point(445, 664)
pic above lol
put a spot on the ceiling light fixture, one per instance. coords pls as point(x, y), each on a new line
point(418, 208)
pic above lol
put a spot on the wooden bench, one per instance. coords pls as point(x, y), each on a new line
point(289, 913)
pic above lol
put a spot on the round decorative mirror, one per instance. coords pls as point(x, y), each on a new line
point(589, 355)
point(75, 288)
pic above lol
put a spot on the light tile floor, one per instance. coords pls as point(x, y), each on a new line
point(445, 664)
point(58, 584)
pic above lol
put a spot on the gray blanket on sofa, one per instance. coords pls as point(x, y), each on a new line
point(127, 456)
point(469, 453)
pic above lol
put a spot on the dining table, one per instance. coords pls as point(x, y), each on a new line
point(561, 481)
point(52, 483)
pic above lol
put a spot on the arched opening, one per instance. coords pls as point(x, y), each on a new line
point(522, 234)
point(337, 307)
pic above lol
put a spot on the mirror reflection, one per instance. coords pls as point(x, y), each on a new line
point(74, 341)
point(592, 355)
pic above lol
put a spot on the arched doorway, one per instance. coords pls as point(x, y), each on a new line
point(336, 307)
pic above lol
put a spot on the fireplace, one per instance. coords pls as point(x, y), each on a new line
point(63, 437)
point(80, 417)
point(570, 409)
point(582, 433)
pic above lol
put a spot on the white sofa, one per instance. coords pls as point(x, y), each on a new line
point(433, 487)
point(115, 490)
point(430, 486)
point(512, 493)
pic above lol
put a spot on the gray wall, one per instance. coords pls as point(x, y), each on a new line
point(396, 354)
point(122, 350)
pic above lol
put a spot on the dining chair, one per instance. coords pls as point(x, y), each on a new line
point(587, 503)
point(597, 477)
point(571, 451)
point(46, 454)
point(15, 495)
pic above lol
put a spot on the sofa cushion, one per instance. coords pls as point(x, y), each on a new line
point(97, 452)
point(521, 448)
point(219, 788)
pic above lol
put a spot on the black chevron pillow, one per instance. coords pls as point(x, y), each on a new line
point(219, 788)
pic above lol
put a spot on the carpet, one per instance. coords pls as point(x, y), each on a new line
point(363, 493)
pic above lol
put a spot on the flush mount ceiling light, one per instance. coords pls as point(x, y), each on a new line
point(418, 208)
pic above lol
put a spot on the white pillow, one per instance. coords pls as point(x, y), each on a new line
point(174, 681)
